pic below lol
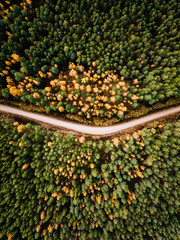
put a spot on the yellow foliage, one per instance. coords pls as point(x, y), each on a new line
point(15, 123)
point(59, 196)
point(48, 89)
point(135, 135)
point(49, 74)
point(81, 68)
point(21, 144)
point(115, 141)
point(110, 216)
point(139, 174)
point(41, 74)
point(46, 198)
point(88, 88)
point(9, 34)
point(49, 228)
point(9, 80)
point(42, 215)
point(94, 64)
point(44, 232)
point(49, 144)
point(61, 169)
point(14, 91)
point(71, 194)
point(55, 171)
point(92, 165)
point(98, 199)
point(36, 95)
point(54, 194)
point(61, 109)
point(63, 88)
point(25, 166)
point(10, 236)
point(56, 226)
point(81, 139)
point(8, 63)
point(15, 57)
point(72, 73)
point(74, 224)
point(134, 97)
point(20, 128)
point(62, 82)
point(72, 66)
point(38, 228)
point(135, 81)
point(59, 97)
point(5, 72)
point(142, 167)
point(36, 82)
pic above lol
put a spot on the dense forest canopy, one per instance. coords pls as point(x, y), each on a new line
point(55, 187)
point(107, 56)
point(91, 59)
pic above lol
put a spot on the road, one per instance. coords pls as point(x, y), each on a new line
point(89, 129)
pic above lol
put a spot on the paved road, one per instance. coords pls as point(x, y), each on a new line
point(89, 129)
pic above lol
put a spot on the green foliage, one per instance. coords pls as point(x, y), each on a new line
point(19, 76)
point(55, 70)
point(54, 187)
point(116, 35)
point(5, 93)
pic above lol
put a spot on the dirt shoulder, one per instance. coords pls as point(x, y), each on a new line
point(63, 131)
point(96, 121)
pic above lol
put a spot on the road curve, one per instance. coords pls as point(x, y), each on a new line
point(89, 129)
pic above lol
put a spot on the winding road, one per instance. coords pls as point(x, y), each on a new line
point(89, 129)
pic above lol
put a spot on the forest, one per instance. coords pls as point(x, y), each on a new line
point(90, 58)
point(98, 62)
point(73, 187)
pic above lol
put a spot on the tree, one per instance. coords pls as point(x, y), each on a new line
point(55, 70)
